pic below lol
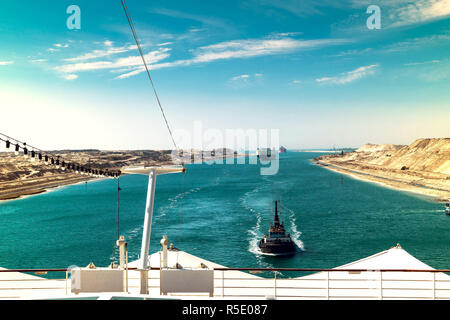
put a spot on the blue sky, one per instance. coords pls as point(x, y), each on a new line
point(311, 69)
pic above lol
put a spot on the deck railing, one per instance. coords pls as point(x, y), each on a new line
point(318, 284)
point(336, 284)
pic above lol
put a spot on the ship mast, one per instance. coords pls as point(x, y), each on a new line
point(277, 219)
point(152, 172)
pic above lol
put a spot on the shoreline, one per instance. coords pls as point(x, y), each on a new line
point(17, 193)
point(35, 190)
point(435, 194)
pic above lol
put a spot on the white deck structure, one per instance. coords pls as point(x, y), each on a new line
point(394, 281)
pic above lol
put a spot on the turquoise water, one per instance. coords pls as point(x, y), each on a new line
point(223, 213)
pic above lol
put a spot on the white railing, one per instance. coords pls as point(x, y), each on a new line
point(236, 283)
point(335, 284)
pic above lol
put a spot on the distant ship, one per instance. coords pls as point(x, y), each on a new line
point(264, 153)
point(282, 150)
point(277, 242)
point(447, 209)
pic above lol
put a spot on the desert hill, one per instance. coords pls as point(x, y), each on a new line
point(423, 164)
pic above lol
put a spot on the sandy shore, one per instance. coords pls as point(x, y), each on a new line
point(18, 191)
point(437, 193)
point(20, 178)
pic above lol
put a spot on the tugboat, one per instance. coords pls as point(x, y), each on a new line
point(447, 209)
point(277, 242)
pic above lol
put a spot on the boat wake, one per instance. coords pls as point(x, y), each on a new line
point(173, 203)
point(295, 235)
point(254, 233)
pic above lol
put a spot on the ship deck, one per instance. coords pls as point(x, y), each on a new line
point(390, 274)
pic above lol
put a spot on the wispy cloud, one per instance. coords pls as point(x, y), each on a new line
point(70, 77)
point(164, 44)
point(204, 20)
point(6, 63)
point(59, 45)
point(421, 63)
point(394, 14)
point(428, 71)
point(418, 43)
point(38, 60)
point(420, 11)
point(302, 8)
point(350, 76)
point(242, 76)
point(236, 49)
point(130, 61)
point(95, 54)
point(258, 47)
point(245, 80)
point(407, 12)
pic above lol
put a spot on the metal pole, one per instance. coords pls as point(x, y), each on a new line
point(145, 246)
point(434, 285)
point(275, 284)
point(328, 285)
point(118, 206)
point(381, 285)
point(126, 268)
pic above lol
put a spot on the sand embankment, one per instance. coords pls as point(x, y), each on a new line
point(21, 177)
point(422, 167)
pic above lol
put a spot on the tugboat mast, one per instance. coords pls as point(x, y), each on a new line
point(277, 219)
point(277, 242)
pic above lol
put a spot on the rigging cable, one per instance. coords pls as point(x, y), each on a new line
point(130, 22)
point(136, 39)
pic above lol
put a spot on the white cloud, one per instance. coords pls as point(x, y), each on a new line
point(420, 11)
point(236, 49)
point(301, 8)
point(95, 54)
point(422, 63)
point(407, 12)
point(350, 76)
point(138, 70)
point(418, 43)
point(120, 63)
point(70, 77)
point(38, 60)
point(242, 76)
point(108, 43)
point(59, 45)
point(6, 63)
point(257, 47)
point(245, 80)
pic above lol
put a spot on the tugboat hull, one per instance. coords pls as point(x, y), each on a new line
point(277, 248)
point(277, 242)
